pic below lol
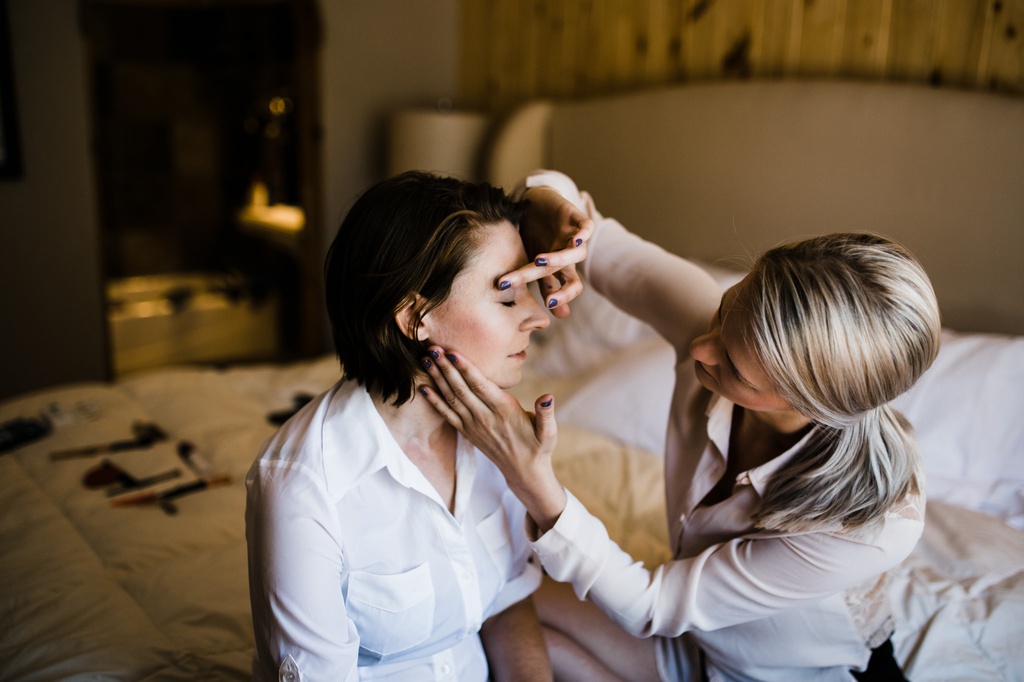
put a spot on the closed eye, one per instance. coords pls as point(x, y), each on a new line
point(508, 304)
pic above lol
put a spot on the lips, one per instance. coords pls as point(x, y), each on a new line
point(703, 372)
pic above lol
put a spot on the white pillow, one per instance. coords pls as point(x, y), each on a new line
point(968, 414)
point(626, 397)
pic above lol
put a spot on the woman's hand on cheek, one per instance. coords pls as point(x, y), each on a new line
point(520, 443)
point(555, 235)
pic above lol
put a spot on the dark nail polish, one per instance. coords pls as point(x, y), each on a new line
point(578, 241)
point(451, 358)
point(552, 303)
point(426, 363)
point(435, 353)
point(546, 403)
point(424, 391)
point(541, 262)
point(505, 285)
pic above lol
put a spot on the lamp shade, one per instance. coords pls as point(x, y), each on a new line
point(446, 142)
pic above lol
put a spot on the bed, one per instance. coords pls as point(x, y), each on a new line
point(89, 590)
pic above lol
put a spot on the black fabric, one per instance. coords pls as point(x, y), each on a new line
point(882, 667)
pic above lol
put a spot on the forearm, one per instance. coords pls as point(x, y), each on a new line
point(514, 645)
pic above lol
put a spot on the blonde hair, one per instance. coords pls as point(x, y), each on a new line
point(843, 324)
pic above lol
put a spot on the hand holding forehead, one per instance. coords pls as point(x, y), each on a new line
point(555, 235)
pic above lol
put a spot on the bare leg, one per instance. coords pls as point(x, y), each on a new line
point(570, 663)
point(584, 638)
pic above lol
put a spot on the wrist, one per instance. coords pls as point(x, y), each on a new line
point(544, 499)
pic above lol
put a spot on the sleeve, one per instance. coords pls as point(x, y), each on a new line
point(738, 581)
point(676, 297)
point(295, 566)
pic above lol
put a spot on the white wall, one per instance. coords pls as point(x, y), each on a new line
point(377, 56)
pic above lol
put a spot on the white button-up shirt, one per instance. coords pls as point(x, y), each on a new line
point(762, 606)
point(358, 571)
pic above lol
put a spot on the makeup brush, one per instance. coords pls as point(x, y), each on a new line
point(165, 496)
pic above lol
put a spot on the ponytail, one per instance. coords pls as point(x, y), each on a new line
point(847, 477)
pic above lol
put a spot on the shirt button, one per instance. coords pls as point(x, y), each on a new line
point(289, 671)
point(446, 669)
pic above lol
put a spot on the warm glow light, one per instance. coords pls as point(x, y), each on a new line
point(280, 106)
point(276, 217)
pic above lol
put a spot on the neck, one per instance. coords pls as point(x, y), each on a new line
point(759, 437)
point(781, 423)
point(415, 424)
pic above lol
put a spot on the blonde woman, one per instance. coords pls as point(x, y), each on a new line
point(792, 485)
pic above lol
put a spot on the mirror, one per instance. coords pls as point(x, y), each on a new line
point(205, 140)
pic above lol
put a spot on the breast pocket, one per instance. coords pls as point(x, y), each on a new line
point(393, 612)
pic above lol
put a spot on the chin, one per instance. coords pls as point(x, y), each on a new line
point(705, 379)
point(507, 380)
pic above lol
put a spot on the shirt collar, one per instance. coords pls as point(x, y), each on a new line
point(360, 444)
point(355, 445)
point(719, 413)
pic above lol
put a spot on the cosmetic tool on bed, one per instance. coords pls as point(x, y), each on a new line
point(199, 466)
point(145, 434)
point(21, 430)
point(106, 474)
point(164, 497)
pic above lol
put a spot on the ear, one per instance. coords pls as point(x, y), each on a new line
point(404, 319)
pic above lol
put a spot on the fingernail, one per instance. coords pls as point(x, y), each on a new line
point(451, 358)
point(423, 391)
point(578, 241)
point(435, 353)
point(552, 303)
point(504, 285)
point(541, 262)
point(426, 364)
point(547, 403)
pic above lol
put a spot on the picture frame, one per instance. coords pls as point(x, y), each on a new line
point(10, 135)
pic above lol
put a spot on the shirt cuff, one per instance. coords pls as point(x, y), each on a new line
point(575, 549)
point(560, 182)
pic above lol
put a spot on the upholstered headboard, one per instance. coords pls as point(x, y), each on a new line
point(720, 171)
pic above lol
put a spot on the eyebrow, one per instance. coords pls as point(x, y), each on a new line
point(516, 264)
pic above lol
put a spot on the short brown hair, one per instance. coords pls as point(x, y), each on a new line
point(410, 234)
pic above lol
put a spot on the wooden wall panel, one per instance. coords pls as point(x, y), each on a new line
point(1006, 50)
point(514, 50)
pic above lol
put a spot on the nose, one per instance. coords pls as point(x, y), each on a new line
point(536, 317)
point(704, 349)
